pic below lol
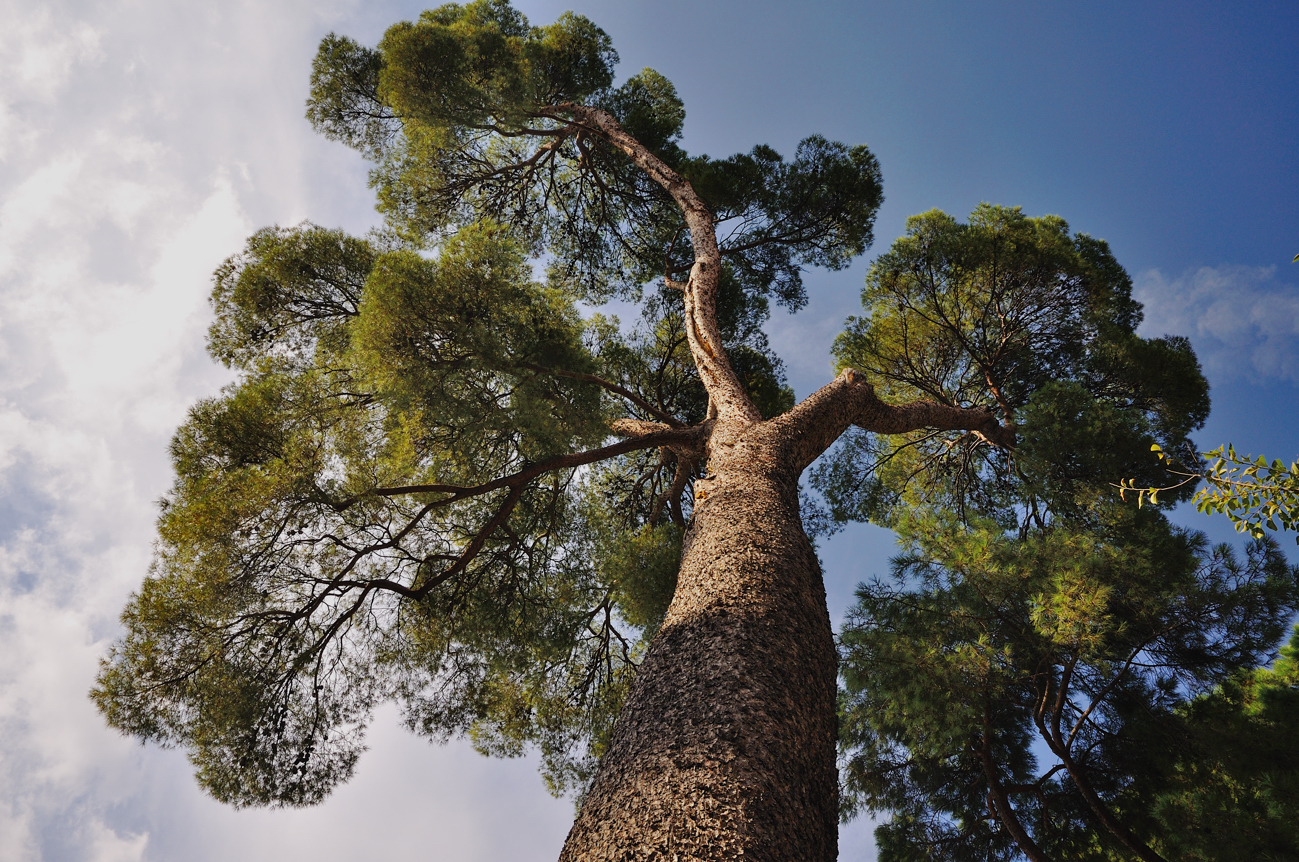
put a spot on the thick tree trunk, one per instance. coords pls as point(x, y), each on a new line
point(726, 747)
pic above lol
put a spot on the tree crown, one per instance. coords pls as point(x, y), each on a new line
point(434, 481)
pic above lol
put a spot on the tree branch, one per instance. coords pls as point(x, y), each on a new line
point(736, 409)
point(612, 387)
point(1001, 800)
point(815, 423)
point(654, 435)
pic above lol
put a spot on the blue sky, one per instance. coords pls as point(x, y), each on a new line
point(142, 140)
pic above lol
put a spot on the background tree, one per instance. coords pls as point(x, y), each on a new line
point(1234, 788)
point(1027, 698)
point(1017, 691)
point(414, 491)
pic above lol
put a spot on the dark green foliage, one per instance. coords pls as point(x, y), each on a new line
point(818, 209)
point(1012, 314)
point(1041, 639)
point(1234, 789)
point(1008, 642)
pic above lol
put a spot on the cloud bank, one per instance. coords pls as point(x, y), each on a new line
point(1243, 321)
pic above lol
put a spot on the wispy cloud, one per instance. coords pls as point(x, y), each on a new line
point(1243, 321)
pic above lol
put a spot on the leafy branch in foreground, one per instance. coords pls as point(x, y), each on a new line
point(1250, 491)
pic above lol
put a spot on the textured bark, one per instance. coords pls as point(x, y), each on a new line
point(726, 745)
point(725, 391)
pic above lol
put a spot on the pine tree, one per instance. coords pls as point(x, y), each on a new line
point(435, 482)
point(1026, 684)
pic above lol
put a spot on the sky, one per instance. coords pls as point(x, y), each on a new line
point(142, 140)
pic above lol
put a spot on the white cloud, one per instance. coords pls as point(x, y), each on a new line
point(40, 51)
point(108, 846)
point(1243, 321)
point(38, 54)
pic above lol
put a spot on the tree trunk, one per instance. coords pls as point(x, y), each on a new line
point(726, 746)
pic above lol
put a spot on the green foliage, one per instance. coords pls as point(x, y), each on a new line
point(1063, 642)
point(462, 113)
point(641, 566)
point(436, 337)
point(1234, 788)
point(293, 286)
point(828, 191)
point(1013, 315)
point(1249, 491)
point(1041, 642)
point(290, 590)
point(411, 492)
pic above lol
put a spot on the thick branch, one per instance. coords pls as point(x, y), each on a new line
point(655, 435)
point(632, 428)
point(1001, 800)
point(814, 424)
point(736, 410)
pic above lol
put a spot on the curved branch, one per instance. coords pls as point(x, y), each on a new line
point(656, 435)
point(671, 499)
point(1077, 773)
point(1000, 798)
point(736, 409)
point(475, 545)
point(815, 423)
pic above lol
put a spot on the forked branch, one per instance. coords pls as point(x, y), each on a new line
point(736, 409)
point(814, 424)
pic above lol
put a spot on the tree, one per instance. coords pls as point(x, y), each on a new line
point(1026, 698)
point(1022, 687)
point(435, 482)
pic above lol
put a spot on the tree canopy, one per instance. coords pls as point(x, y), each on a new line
point(443, 477)
point(1041, 666)
point(1232, 791)
point(411, 491)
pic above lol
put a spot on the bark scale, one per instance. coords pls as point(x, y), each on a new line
point(726, 746)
